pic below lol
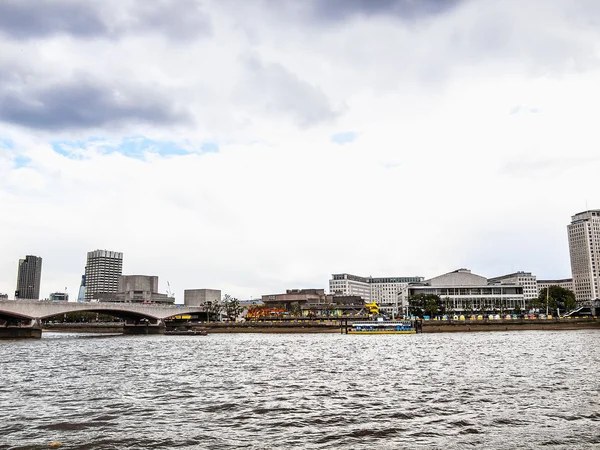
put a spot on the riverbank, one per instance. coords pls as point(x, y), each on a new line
point(429, 326)
point(449, 326)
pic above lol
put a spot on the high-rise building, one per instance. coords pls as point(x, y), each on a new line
point(584, 248)
point(81, 293)
point(384, 291)
point(29, 278)
point(102, 273)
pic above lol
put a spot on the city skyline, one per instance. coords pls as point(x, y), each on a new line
point(253, 148)
point(103, 262)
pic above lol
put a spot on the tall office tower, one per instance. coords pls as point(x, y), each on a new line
point(102, 273)
point(81, 294)
point(584, 247)
point(29, 278)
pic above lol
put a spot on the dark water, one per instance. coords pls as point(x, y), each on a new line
point(536, 389)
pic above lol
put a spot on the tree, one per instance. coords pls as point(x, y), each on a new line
point(232, 307)
point(468, 308)
point(517, 309)
point(296, 309)
point(213, 309)
point(555, 298)
point(420, 305)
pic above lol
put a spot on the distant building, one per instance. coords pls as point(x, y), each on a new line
point(465, 291)
point(137, 289)
point(584, 249)
point(102, 272)
point(525, 279)
point(59, 297)
point(566, 283)
point(29, 278)
point(315, 302)
point(198, 297)
point(383, 290)
point(299, 296)
point(81, 294)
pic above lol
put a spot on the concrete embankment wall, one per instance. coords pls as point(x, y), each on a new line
point(509, 325)
point(278, 327)
point(84, 327)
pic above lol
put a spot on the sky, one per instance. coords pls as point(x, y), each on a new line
point(258, 146)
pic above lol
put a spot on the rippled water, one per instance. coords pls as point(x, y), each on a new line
point(483, 390)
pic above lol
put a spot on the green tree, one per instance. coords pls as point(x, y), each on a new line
point(556, 298)
point(468, 308)
point(232, 307)
point(213, 309)
point(420, 305)
point(517, 309)
point(296, 309)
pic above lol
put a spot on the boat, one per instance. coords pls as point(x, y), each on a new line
point(383, 327)
point(186, 333)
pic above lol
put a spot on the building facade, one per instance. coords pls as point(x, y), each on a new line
point(29, 278)
point(59, 297)
point(199, 297)
point(383, 290)
point(102, 273)
point(136, 289)
point(525, 279)
point(566, 283)
point(81, 293)
point(316, 303)
point(584, 249)
point(465, 292)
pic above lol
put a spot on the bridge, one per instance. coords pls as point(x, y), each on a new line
point(23, 318)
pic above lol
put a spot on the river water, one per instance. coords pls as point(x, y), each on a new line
point(529, 389)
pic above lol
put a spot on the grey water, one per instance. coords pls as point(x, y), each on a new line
point(529, 389)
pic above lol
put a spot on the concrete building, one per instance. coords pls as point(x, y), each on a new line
point(315, 302)
point(59, 297)
point(383, 290)
point(465, 291)
point(198, 297)
point(29, 278)
point(137, 289)
point(525, 279)
point(102, 272)
point(566, 283)
point(299, 296)
point(584, 249)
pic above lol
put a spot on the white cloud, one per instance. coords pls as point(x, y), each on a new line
point(474, 142)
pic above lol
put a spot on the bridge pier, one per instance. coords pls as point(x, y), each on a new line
point(144, 326)
point(20, 329)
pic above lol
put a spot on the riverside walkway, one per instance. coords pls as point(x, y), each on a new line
point(22, 318)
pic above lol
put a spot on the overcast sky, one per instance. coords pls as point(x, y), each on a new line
point(257, 146)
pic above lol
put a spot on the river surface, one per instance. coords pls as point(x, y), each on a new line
point(529, 389)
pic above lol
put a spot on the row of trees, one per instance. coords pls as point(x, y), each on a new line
point(556, 299)
point(230, 306)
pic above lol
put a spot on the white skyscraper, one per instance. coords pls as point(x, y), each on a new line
point(584, 248)
point(102, 273)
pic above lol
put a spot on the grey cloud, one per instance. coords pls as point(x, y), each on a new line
point(183, 19)
point(85, 103)
point(276, 91)
point(336, 10)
